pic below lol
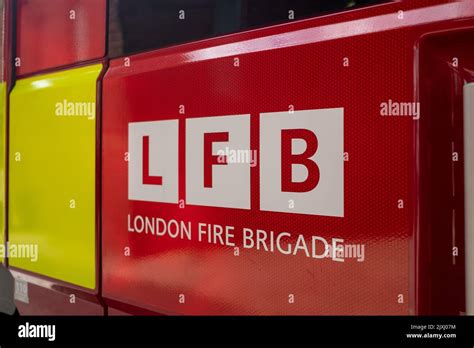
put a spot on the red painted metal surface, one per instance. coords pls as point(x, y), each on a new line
point(116, 308)
point(445, 64)
point(49, 297)
point(53, 33)
point(300, 64)
point(115, 312)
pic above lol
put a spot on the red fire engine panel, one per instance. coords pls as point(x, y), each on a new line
point(54, 33)
point(269, 172)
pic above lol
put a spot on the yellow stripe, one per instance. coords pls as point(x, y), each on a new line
point(52, 174)
point(3, 88)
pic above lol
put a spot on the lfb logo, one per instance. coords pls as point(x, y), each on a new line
point(300, 161)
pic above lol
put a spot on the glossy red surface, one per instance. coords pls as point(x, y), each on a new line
point(446, 63)
point(49, 297)
point(50, 35)
point(300, 64)
point(116, 308)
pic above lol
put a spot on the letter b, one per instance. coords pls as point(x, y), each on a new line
point(289, 159)
point(301, 159)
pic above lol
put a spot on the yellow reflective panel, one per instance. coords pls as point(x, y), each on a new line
point(52, 175)
point(3, 89)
